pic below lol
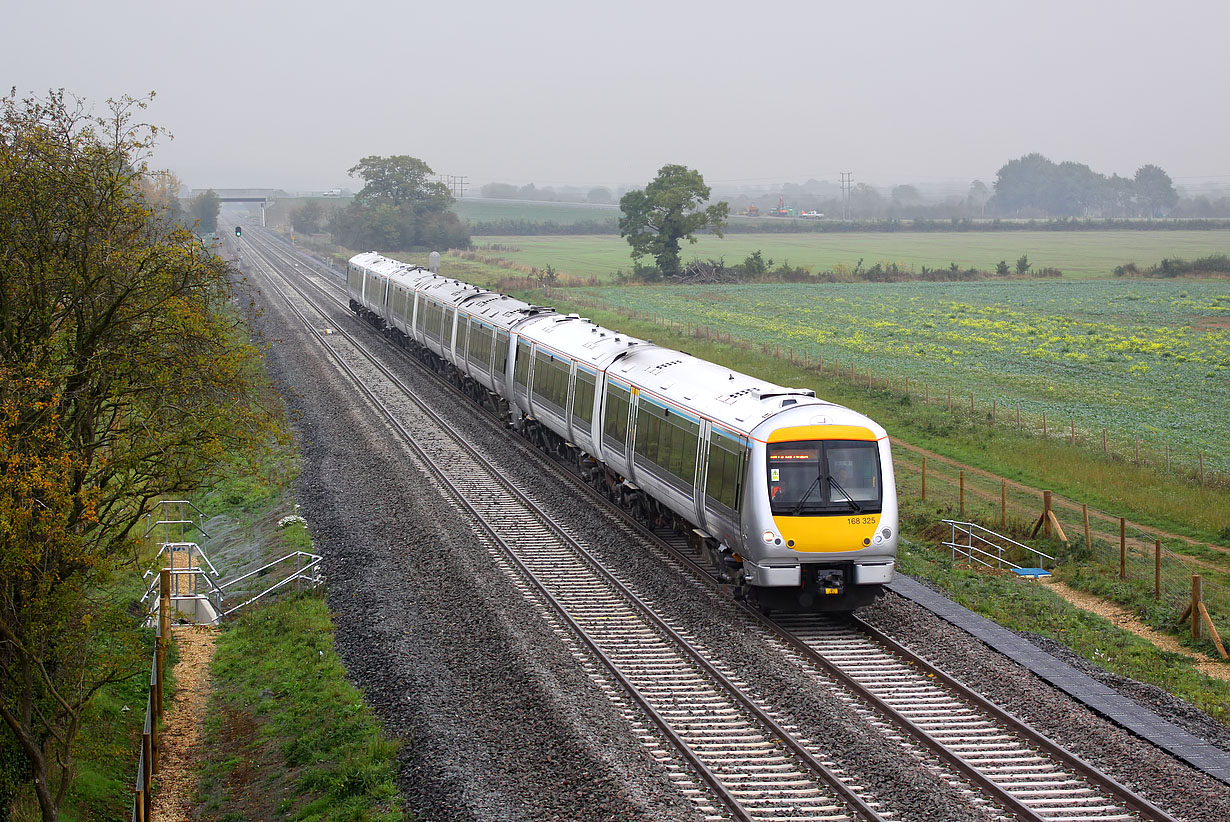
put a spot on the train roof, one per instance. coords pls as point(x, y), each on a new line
point(579, 338)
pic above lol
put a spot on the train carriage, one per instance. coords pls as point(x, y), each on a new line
point(794, 497)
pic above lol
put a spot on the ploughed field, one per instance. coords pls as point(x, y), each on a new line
point(1144, 359)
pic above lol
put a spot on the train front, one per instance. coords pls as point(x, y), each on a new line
point(822, 535)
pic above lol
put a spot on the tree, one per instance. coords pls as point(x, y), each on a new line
point(398, 209)
point(906, 195)
point(599, 195)
point(307, 218)
point(204, 209)
point(400, 179)
point(666, 211)
point(1154, 191)
point(123, 378)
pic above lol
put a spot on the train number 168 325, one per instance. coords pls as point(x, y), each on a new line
point(861, 520)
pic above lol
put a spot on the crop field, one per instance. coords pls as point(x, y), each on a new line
point(1147, 359)
point(1080, 254)
point(475, 211)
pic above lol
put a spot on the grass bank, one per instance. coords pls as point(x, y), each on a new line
point(288, 736)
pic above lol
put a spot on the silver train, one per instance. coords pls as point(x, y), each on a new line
point(793, 498)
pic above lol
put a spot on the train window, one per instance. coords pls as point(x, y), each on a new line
point(463, 328)
point(521, 369)
point(551, 379)
point(725, 474)
point(615, 418)
point(668, 440)
point(480, 343)
point(501, 352)
point(583, 397)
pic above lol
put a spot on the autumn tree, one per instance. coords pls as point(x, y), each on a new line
point(124, 378)
point(666, 211)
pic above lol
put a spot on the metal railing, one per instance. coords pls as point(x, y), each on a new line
point(200, 587)
point(982, 545)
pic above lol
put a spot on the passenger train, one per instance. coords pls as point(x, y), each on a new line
point(792, 498)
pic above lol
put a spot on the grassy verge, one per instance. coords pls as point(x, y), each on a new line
point(288, 737)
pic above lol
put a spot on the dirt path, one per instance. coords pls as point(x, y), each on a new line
point(1128, 622)
point(181, 737)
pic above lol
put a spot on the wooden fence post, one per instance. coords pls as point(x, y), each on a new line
point(147, 774)
point(1157, 570)
point(971, 402)
point(1085, 516)
point(994, 412)
point(1044, 425)
point(1122, 548)
point(1048, 521)
point(927, 393)
point(1103, 440)
point(1200, 457)
point(1167, 458)
point(963, 494)
point(1138, 452)
point(1072, 440)
point(1018, 418)
point(949, 400)
point(924, 478)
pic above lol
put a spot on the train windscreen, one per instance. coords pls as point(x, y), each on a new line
point(824, 477)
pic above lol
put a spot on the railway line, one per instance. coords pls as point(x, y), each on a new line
point(728, 751)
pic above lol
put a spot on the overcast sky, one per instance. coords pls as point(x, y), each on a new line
point(290, 95)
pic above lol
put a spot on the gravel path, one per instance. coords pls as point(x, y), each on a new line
point(184, 718)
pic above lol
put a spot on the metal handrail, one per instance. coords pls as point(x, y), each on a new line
point(968, 548)
point(313, 559)
point(298, 575)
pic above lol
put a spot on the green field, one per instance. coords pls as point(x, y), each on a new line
point(1147, 359)
point(1076, 253)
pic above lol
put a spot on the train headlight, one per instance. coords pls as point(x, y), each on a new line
point(887, 532)
point(878, 539)
point(768, 537)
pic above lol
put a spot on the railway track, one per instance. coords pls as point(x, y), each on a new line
point(754, 767)
point(973, 742)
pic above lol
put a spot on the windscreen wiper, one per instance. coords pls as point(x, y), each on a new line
point(857, 509)
point(799, 505)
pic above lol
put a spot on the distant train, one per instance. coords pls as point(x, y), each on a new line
point(793, 498)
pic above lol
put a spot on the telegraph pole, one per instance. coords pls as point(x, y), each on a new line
point(847, 179)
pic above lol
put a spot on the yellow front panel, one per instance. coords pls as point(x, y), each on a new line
point(821, 432)
point(842, 532)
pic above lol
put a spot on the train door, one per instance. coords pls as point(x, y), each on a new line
point(702, 470)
